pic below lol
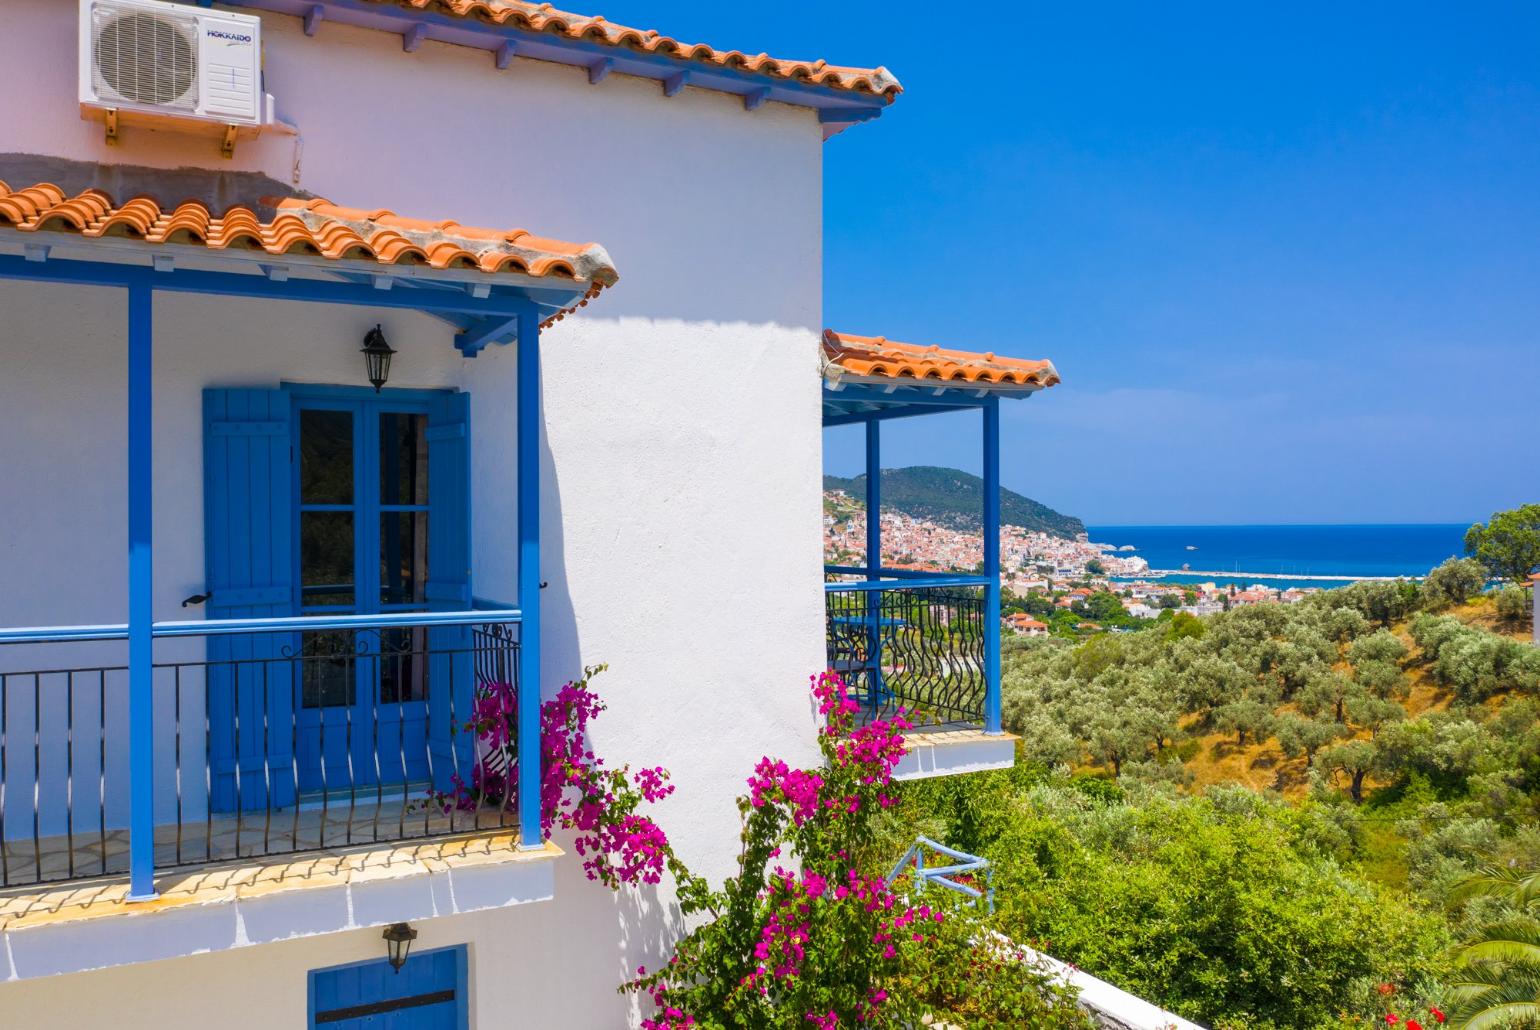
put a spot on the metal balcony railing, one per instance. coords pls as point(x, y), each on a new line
point(919, 644)
point(265, 742)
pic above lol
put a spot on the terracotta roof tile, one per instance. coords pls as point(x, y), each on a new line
point(879, 357)
point(597, 29)
point(311, 227)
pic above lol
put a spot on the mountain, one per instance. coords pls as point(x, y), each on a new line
point(956, 500)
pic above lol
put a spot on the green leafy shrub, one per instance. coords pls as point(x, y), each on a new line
point(1231, 909)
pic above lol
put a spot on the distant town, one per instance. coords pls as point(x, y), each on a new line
point(1052, 585)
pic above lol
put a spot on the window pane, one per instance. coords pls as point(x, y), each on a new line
point(328, 660)
point(403, 665)
point(404, 557)
point(326, 457)
point(403, 458)
point(326, 557)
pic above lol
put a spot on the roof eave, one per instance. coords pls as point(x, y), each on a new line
point(836, 379)
point(838, 108)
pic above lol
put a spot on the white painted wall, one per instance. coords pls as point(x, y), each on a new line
point(511, 972)
point(681, 461)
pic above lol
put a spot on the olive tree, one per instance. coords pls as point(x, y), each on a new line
point(1453, 582)
point(1508, 544)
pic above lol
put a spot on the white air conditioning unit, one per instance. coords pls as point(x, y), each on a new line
point(168, 59)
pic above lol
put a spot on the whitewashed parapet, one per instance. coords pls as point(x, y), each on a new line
point(1111, 1007)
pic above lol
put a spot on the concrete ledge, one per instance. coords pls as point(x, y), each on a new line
point(1111, 1007)
point(78, 927)
point(951, 752)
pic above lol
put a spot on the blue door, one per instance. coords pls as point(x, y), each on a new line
point(363, 514)
point(335, 501)
point(429, 993)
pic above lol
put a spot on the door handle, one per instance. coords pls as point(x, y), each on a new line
point(197, 599)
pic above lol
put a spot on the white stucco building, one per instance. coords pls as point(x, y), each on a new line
point(204, 808)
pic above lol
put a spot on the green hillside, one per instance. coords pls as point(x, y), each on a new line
point(955, 499)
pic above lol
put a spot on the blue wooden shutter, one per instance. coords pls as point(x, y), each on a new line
point(249, 560)
point(450, 671)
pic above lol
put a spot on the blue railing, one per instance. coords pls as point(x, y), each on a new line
point(274, 736)
point(914, 640)
point(958, 875)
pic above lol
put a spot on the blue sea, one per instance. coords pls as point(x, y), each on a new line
point(1347, 550)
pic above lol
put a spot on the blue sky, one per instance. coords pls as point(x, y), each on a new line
point(1286, 259)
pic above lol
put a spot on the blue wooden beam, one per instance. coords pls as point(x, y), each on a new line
point(528, 449)
point(912, 391)
point(842, 106)
point(848, 115)
point(489, 330)
point(412, 38)
point(672, 84)
point(992, 565)
point(505, 54)
point(313, 18)
point(507, 303)
point(599, 70)
point(897, 411)
point(755, 99)
point(141, 595)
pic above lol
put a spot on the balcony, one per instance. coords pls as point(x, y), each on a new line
point(919, 643)
point(270, 743)
point(302, 779)
point(928, 642)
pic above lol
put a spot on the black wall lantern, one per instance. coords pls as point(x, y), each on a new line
point(398, 944)
point(377, 354)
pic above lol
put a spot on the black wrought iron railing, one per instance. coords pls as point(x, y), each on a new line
point(912, 645)
point(264, 744)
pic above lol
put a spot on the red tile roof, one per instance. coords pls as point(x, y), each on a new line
point(596, 29)
point(310, 227)
point(879, 357)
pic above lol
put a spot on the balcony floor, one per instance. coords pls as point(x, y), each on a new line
point(952, 749)
point(49, 929)
point(309, 827)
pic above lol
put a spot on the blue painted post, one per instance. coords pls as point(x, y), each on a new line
point(873, 497)
point(530, 421)
point(992, 565)
point(141, 613)
point(874, 559)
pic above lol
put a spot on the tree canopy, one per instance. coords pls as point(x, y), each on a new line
point(1509, 543)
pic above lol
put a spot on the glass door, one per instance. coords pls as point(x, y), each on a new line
point(362, 521)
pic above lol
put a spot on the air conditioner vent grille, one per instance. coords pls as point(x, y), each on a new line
point(146, 58)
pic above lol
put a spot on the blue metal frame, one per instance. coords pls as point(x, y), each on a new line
point(938, 580)
point(941, 876)
point(477, 616)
